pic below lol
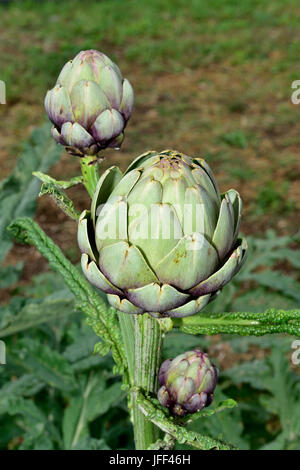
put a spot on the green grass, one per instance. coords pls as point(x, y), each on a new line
point(48, 33)
point(210, 78)
point(273, 199)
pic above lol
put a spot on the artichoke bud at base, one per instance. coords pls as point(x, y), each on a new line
point(187, 383)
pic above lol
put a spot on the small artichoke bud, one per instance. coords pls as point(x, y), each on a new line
point(187, 383)
point(90, 104)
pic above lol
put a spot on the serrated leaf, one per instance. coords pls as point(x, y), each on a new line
point(175, 341)
point(47, 364)
point(280, 384)
point(37, 438)
point(74, 426)
point(224, 405)
point(226, 425)
point(91, 362)
point(89, 443)
point(59, 183)
point(61, 199)
point(101, 348)
point(82, 347)
point(277, 281)
point(260, 299)
point(75, 420)
point(10, 275)
point(29, 313)
point(14, 405)
point(103, 320)
point(26, 385)
point(253, 373)
point(279, 395)
point(267, 251)
point(19, 191)
point(100, 401)
point(242, 323)
point(277, 444)
point(93, 401)
point(168, 425)
point(44, 284)
point(242, 344)
point(9, 431)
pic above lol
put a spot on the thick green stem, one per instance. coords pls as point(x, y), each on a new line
point(143, 343)
point(127, 329)
point(90, 173)
point(148, 345)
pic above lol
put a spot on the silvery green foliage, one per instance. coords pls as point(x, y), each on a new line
point(160, 238)
point(90, 104)
point(18, 192)
point(102, 319)
point(187, 382)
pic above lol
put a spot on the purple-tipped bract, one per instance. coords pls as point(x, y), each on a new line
point(90, 104)
point(187, 382)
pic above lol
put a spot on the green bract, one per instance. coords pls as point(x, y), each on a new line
point(188, 382)
point(161, 239)
point(90, 104)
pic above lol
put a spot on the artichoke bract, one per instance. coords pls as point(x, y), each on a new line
point(90, 104)
point(188, 382)
point(161, 239)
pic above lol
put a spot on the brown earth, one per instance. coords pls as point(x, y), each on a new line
point(188, 112)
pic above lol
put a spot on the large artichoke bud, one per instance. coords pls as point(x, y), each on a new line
point(90, 104)
point(188, 382)
point(161, 239)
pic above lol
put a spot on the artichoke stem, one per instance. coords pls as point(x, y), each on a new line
point(144, 333)
point(90, 173)
point(148, 345)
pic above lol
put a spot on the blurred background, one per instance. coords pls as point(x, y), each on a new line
point(211, 79)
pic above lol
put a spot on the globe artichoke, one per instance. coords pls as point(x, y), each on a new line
point(188, 382)
point(90, 104)
point(161, 239)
